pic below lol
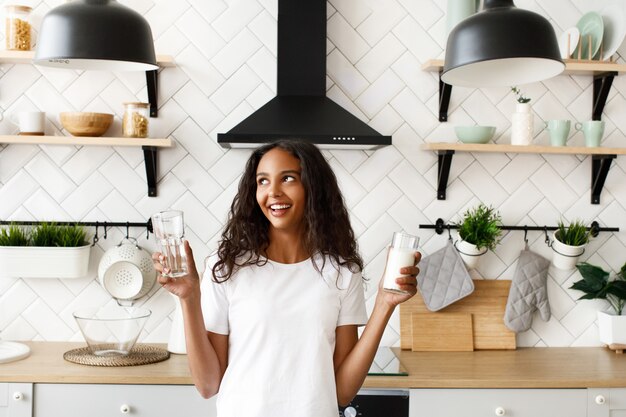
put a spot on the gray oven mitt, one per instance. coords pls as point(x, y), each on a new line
point(443, 278)
point(528, 292)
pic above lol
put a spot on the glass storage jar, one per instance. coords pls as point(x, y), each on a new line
point(17, 28)
point(135, 121)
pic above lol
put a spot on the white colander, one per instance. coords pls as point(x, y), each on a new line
point(126, 271)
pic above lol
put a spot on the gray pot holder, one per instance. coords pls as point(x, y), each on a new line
point(528, 292)
point(443, 278)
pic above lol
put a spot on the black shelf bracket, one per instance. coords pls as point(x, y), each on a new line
point(601, 86)
point(150, 160)
point(443, 172)
point(445, 91)
point(152, 85)
point(600, 165)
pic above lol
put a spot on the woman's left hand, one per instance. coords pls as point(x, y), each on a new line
point(407, 283)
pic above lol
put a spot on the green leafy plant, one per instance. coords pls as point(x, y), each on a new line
point(71, 236)
point(520, 97)
point(575, 234)
point(44, 234)
point(481, 227)
point(597, 284)
point(14, 236)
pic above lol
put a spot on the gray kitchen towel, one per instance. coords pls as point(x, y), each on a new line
point(528, 292)
point(443, 278)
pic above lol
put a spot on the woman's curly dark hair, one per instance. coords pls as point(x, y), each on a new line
point(327, 229)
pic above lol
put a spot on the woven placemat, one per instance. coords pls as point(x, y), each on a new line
point(139, 355)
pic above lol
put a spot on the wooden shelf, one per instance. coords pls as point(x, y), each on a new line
point(601, 159)
point(493, 147)
point(572, 67)
point(149, 147)
point(26, 57)
point(85, 140)
point(603, 74)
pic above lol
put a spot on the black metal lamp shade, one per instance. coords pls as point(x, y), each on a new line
point(97, 35)
point(501, 46)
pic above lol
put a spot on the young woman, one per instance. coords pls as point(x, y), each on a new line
point(273, 324)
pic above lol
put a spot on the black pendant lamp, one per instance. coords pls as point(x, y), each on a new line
point(501, 46)
point(95, 35)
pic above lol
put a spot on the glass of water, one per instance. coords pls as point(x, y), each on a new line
point(169, 229)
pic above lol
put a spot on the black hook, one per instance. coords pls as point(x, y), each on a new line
point(127, 232)
point(449, 233)
point(526, 235)
point(105, 230)
point(95, 236)
point(545, 230)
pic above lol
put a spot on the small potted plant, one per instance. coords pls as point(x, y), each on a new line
point(46, 251)
point(598, 284)
point(522, 120)
point(568, 244)
point(479, 231)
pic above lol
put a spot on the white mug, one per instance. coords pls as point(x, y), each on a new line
point(30, 122)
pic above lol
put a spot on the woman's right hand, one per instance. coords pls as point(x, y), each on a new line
point(184, 287)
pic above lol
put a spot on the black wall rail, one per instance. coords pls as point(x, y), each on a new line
point(440, 226)
point(105, 225)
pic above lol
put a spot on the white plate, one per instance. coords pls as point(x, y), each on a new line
point(614, 29)
point(574, 35)
point(13, 351)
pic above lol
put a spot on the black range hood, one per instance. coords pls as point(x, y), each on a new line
point(301, 109)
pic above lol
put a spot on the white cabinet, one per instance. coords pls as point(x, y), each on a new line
point(16, 400)
point(99, 400)
point(498, 402)
point(606, 402)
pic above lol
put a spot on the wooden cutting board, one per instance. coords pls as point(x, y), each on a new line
point(442, 332)
point(486, 305)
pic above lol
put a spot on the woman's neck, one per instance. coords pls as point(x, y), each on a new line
point(286, 248)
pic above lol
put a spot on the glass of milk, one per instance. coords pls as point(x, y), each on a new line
point(169, 229)
point(401, 254)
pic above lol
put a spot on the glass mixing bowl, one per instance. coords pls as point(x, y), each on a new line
point(111, 330)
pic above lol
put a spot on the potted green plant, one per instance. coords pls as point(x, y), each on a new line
point(568, 244)
point(598, 284)
point(479, 231)
point(48, 250)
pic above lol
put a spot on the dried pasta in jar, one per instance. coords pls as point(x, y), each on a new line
point(136, 119)
point(17, 28)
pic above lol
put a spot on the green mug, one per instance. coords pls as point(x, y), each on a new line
point(558, 130)
point(593, 131)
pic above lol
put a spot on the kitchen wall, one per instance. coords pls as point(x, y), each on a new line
point(225, 68)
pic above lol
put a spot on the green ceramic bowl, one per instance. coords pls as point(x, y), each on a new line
point(475, 134)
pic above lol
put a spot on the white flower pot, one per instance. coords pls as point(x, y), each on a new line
point(44, 262)
point(612, 328)
point(469, 253)
point(564, 256)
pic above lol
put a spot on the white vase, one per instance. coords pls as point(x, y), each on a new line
point(522, 125)
point(611, 328)
point(469, 253)
point(564, 256)
point(176, 343)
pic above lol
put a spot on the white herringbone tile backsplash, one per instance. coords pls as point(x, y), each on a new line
point(225, 53)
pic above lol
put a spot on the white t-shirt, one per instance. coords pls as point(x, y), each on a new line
point(281, 321)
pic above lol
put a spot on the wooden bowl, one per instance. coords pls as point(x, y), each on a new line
point(86, 124)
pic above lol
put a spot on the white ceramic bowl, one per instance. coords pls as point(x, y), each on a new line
point(475, 134)
point(111, 330)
